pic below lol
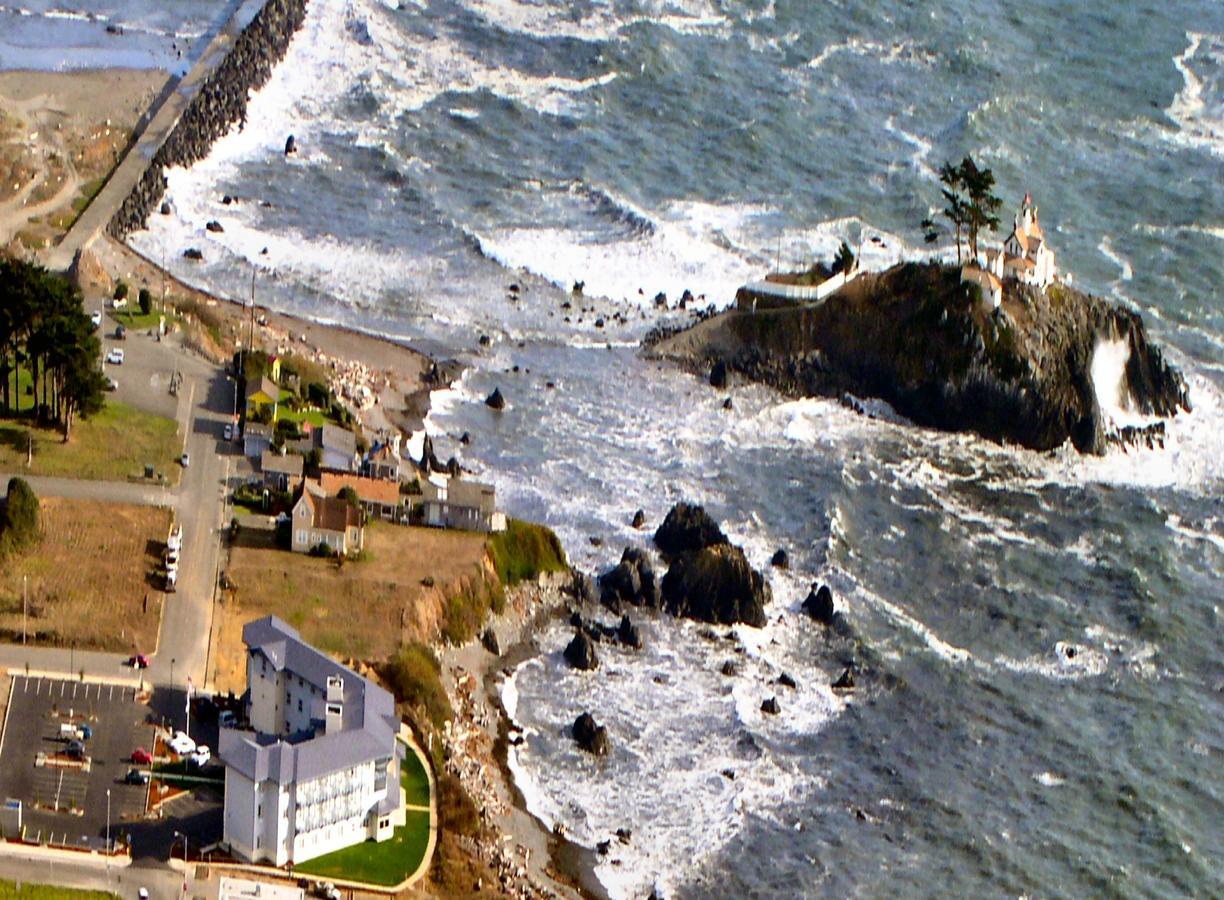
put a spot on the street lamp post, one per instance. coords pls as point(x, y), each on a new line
point(25, 602)
point(172, 693)
point(108, 842)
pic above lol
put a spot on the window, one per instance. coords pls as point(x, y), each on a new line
point(299, 704)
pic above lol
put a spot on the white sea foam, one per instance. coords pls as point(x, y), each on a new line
point(897, 51)
point(1107, 250)
point(1198, 108)
point(598, 22)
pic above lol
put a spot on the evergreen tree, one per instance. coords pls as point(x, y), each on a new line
point(19, 526)
point(957, 209)
point(983, 206)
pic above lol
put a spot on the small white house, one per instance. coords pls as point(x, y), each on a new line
point(320, 769)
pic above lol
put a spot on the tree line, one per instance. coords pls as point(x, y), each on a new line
point(45, 332)
point(970, 204)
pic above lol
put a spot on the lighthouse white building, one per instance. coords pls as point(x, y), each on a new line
point(319, 769)
point(1025, 257)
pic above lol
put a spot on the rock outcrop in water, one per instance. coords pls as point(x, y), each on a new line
point(591, 736)
point(220, 102)
point(686, 529)
point(716, 584)
point(918, 338)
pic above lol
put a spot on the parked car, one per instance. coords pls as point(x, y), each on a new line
point(200, 757)
point(229, 432)
point(172, 557)
point(227, 719)
point(138, 661)
point(185, 460)
point(142, 894)
point(141, 757)
point(175, 540)
point(120, 333)
point(181, 744)
point(120, 303)
point(75, 750)
point(171, 580)
point(115, 357)
point(96, 318)
point(71, 731)
point(136, 776)
point(111, 384)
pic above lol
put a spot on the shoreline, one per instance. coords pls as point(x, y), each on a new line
point(538, 862)
point(395, 374)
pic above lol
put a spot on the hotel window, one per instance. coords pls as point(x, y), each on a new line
point(299, 704)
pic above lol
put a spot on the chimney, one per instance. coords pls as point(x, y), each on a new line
point(334, 708)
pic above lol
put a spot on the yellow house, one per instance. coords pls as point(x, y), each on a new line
point(261, 392)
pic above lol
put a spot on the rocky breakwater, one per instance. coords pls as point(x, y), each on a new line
point(708, 578)
point(1047, 367)
point(220, 103)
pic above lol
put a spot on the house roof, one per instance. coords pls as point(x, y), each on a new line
point(368, 724)
point(333, 437)
point(255, 430)
point(262, 385)
point(287, 464)
point(370, 490)
point(383, 452)
point(328, 513)
point(472, 494)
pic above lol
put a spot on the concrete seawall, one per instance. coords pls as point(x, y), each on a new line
point(220, 102)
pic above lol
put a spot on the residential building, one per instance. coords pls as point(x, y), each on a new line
point(383, 461)
point(319, 519)
point(319, 771)
point(338, 448)
point(256, 439)
point(262, 392)
point(992, 287)
point(281, 471)
point(379, 499)
point(458, 503)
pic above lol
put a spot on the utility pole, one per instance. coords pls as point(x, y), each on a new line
point(251, 334)
point(108, 842)
point(25, 603)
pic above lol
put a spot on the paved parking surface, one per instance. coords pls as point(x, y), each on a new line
point(68, 805)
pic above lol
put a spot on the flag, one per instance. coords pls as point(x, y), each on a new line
point(189, 689)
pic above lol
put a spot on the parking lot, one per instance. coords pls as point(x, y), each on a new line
point(68, 805)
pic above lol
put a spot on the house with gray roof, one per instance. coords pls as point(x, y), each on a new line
point(318, 770)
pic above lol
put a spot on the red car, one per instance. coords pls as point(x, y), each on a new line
point(139, 661)
point(141, 757)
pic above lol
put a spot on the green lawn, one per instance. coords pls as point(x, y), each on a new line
point(415, 780)
point(10, 891)
point(134, 320)
point(390, 862)
point(315, 417)
point(19, 382)
point(110, 446)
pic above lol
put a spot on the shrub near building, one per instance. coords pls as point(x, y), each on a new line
point(19, 523)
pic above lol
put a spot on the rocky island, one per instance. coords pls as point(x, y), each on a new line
point(995, 349)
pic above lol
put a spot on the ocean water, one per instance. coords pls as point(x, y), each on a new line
point(1042, 705)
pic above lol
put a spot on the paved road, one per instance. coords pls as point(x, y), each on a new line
point(161, 122)
point(161, 882)
point(204, 406)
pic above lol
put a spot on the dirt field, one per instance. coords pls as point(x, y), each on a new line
point(361, 611)
point(87, 579)
point(61, 133)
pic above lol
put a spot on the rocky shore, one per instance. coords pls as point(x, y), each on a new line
point(530, 861)
point(220, 103)
point(918, 338)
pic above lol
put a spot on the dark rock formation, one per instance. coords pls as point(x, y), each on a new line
point(728, 405)
point(193, 253)
point(290, 145)
point(918, 338)
point(639, 519)
point(687, 528)
point(771, 706)
point(631, 581)
point(489, 640)
point(628, 634)
point(591, 736)
point(716, 584)
point(495, 400)
point(819, 604)
point(580, 653)
point(718, 375)
point(786, 681)
point(219, 103)
point(845, 681)
point(780, 560)
point(214, 226)
point(729, 668)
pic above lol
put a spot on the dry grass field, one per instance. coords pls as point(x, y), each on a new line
point(88, 577)
point(362, 610)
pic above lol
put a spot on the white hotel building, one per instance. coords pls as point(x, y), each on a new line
point(319, 771)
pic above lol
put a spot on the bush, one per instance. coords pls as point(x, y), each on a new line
point(322, 550)
point(464, 614)
point(19, 523)
point(524, 550)
point(284, 535)
point(145, 299)
point(414, 675)
point(456, 811)
point(121, 290)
